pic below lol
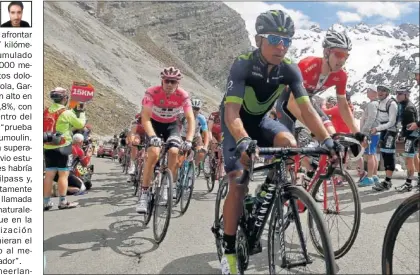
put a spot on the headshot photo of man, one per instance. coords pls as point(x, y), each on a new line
point(15, 14)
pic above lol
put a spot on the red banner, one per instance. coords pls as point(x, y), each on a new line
point(81, 92)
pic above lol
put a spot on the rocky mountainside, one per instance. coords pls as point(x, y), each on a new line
point(381, 55)
point(204, 35)
point(122, 46)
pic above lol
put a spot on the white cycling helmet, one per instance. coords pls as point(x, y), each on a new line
point(335, 39)
point(196, 103)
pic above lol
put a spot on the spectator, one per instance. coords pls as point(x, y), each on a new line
point(367, 122)
point(57, 146)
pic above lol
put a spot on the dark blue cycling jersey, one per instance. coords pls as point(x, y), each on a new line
point(250, 85)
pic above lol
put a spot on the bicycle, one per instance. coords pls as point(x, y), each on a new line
point(312, 186)
point(185, 184)
point(162, 178)
point(217, 171)
point(408, 207)
point(126, 159)
point(255, 212)
point(138, 172)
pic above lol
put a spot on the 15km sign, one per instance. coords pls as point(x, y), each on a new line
point(82, 92)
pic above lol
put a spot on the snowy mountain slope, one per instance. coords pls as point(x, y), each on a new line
point(381, 54)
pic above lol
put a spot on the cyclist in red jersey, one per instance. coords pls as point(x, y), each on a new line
point(320, 73)
point(161, 105)
point(135, 137)
point(215, 127)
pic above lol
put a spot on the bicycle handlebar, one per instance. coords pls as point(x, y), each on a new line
point(347, 140)
point(283, 152)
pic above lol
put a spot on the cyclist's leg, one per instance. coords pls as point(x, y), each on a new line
point(198, 146)
point(172, 133)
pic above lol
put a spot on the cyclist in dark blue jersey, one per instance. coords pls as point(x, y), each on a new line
point(256, 81)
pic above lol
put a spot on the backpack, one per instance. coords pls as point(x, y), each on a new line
point(50, 124)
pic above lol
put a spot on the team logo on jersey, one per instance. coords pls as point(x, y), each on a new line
point(336, 78)
point(310, 68)
point(230, 85)
point(257, 74)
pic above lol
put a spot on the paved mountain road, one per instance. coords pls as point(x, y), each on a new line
point(105, 235)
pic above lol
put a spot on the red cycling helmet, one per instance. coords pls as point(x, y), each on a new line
point(171, 73)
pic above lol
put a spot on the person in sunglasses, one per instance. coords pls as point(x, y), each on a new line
point(387, 118)
point(321, 73)
point(256, 80)
point(407, 114)
point(161, 106)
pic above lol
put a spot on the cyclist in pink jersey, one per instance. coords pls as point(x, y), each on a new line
point(161, 105)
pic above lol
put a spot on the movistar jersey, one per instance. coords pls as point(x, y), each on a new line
point(250, 85)
point(65, 122)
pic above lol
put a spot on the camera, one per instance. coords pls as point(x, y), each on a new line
point(52, 138)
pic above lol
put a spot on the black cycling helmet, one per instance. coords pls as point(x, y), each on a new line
point(275, 21)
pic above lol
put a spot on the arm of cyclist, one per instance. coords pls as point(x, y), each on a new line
point(205, 130)
point(147, 103)
point(309, 115)
point(210, 124)
point(293, 107)
point(346, 114)
point(189, 116)
point(234, 99)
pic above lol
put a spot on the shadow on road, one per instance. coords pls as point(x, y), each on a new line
point(119, 237)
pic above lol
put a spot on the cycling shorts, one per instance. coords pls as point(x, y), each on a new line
point(411, 147)
point(388, 142)
point(264, 133)
point(59, 159)
point(165, 130)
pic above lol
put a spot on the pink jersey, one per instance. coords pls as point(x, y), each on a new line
point(165, 109)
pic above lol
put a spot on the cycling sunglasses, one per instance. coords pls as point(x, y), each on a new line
point(277, 40)
point(196, 109)
point(340, 55)
point(167, 81)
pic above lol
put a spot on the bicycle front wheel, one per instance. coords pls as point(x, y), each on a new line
point(163, 205)
point(407, 208)
point(187, 188)
point(349, 199)
point(280, 221)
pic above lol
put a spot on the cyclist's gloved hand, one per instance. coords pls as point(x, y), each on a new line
point(155, 141)
point(186, 145)
point(241, 147)
point(334, 147)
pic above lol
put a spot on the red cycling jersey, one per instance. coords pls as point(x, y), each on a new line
point(311, 67)
point(166, 108)
point(216, 130)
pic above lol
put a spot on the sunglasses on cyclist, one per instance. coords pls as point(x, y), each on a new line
point(196, 109)
point(167, 81)
point(340, 55)
point(277, 40)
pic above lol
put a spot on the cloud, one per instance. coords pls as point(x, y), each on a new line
point(250, 10)
point(389, 10)
point(345, 17)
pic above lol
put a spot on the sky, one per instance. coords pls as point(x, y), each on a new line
point(324, 14)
